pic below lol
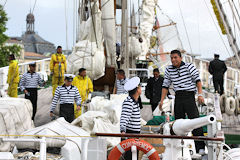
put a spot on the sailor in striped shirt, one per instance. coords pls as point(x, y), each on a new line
point(29, 84)
point(120, 81)
point(186, 82)
point(130, 121)
point(67, 94)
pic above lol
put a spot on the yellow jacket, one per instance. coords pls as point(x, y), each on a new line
point(58, 63)
point(84, 86)
point(13, 72)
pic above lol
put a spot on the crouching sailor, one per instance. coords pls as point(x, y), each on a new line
point(66, 94)
point(130, 121)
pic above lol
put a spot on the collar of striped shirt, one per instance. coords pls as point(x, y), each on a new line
point(182, 64)
point(30, 72)
point(66, 86)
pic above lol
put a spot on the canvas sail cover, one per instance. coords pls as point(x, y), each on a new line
point(15, 118)
point(89, 52)
point(108, 24)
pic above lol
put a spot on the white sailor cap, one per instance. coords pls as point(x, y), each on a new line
point(132, 83)
point(32, 64)
point(69, 77)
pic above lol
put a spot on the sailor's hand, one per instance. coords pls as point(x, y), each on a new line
point(160, 105)
point(51, 114)
point(78, 108)
point(25, 91)
point(200, 99)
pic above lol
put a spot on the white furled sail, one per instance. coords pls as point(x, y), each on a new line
point(88, 51)
point(145, 31)
point(108, 24)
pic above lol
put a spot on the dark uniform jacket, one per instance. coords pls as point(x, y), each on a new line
point(154, 89)
point(217, 68)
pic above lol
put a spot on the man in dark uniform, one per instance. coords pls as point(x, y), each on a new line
point(154, 89)
point(217, 68)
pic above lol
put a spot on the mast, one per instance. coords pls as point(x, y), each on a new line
point(124, 36)
point(231, 38)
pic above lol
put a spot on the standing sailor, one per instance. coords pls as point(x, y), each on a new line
point(130, 121)
point(185, 79)
point(67, 94)
point(153, 89)
point(84, 85)
point(120, 81)
point(58, 67)
point(13, 76)
point(29, 83)
point(217, 68)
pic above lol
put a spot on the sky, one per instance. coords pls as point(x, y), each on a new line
point(50, 23)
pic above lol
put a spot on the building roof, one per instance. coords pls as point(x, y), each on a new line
point(34, 43)
point(32, 55)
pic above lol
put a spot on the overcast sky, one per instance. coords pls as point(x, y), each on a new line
point(50, 23)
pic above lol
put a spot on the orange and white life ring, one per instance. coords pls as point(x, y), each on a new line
point(126, 145)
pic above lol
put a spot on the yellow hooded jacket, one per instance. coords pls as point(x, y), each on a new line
point(57, 61)
point(13, 73)
point(84, 86)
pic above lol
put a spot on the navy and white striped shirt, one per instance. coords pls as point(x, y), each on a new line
point(120, 86)
point(30, 80)
point(130, 116)
point(66, 96)
point(183, 78)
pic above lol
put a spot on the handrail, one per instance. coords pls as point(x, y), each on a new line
point(200, 138)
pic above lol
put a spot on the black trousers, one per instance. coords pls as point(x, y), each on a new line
point(32, 96)
point(67, 111)
point(185, 104)
point(128, 155)
point(218, 85)
point(154, 106)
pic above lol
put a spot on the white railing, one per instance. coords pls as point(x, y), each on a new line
point(42, 66)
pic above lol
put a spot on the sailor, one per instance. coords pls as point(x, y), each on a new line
point(186, 81)
point(130, 120)
point(13, 77)
point(217, 68)
point(29, 84)
point(153, 89)
point(84, 85)
point(120, 81)
point(58, 67)
point(67, 94)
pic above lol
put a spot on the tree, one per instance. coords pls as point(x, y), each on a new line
point(5, 50)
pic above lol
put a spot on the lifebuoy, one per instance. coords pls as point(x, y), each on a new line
point(223, 99)
point(230, 106)
point(126, 145)
point(237, 103)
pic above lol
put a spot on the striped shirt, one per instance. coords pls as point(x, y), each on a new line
point(183, 78)
point(30, 80)
point(66, 96)
point(120, 86)
point(130, 116)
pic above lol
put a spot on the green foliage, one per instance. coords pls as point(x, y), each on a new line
point(5, 50)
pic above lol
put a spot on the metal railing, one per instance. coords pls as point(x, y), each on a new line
point(42, 65)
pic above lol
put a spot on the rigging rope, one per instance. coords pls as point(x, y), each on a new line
point(34, 6)
point(217, 28)
point(185, 27)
